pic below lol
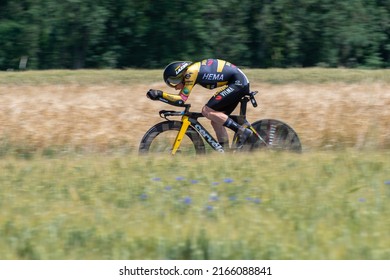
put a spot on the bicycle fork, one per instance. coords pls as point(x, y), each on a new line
point(180, 135)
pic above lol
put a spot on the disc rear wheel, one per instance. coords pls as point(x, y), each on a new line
point(277, 136)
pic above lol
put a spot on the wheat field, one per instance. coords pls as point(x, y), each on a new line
point(98, 115)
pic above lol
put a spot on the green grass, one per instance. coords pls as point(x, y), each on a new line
point(129, 76)
point(331, 205)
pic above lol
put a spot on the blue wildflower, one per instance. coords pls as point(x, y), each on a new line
point(143, 196)
point(157, 179)
point(180, 178)
point(194, 181)
point(187, 200)
point(257, 200)
point(232, 198)
point(387, 182)
point(228, 180)
point(215, 184)
point(209, 208)
point(168, 188)
point(362, 199)
point(213, 197)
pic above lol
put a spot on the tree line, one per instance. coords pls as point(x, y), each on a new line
point(74, 34)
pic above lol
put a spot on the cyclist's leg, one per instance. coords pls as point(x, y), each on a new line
point(220, 106)
point(217, 121)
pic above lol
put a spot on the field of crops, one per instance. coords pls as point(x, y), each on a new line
point(73, 187)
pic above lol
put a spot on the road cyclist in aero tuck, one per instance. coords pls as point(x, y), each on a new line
point(231, 84)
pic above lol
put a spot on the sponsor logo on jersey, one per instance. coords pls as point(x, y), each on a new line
point(212, 77)
point(226, 91)
point(186, 90)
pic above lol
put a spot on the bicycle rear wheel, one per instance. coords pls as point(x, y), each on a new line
point(160, 138)
point(277, 135)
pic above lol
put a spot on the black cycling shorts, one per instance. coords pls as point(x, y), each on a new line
point(227, 99)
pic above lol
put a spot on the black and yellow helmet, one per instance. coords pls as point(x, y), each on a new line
point(173, 73)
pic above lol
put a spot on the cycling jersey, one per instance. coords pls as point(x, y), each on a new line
point(212, 73)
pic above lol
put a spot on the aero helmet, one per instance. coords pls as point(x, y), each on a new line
point(173, 73)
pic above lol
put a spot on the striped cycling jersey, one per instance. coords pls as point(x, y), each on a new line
point(212, 73)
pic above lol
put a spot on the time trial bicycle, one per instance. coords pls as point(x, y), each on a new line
point(188, 135)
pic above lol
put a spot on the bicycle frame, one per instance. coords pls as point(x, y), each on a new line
point(191, 119)
point(187, 121)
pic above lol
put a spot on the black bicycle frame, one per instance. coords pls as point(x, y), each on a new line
point(205, 134)
point(191, 118)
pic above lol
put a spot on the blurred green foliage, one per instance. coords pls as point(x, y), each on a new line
point(77, 34)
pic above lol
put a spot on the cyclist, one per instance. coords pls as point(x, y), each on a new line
point(232, 85)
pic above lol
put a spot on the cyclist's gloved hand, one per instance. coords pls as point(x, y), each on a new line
point(154, 94)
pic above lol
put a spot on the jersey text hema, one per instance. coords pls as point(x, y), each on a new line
point(212, 77)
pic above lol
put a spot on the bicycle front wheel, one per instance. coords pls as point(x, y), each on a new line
point(276, 135)
point(159, 139)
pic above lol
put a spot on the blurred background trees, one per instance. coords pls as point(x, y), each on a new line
point(76, 34)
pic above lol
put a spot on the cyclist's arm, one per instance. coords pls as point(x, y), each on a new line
point(173, 99)
point(189, 80)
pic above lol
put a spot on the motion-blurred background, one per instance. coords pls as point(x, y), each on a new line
point(73, 34)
